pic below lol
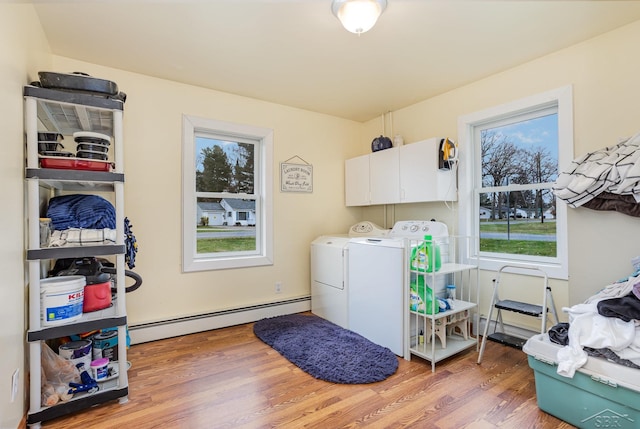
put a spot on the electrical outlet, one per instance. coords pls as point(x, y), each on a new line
point(14, 384)
point(278, 287)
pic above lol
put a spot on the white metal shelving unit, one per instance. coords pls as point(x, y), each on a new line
point(65, 112)
point(448, 332)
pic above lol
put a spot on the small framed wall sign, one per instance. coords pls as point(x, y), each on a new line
point(296, 176)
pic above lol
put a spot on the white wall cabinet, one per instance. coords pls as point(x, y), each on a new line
point(405, 174)
point(65, 112)
point(356, 173)
point(420, 178)
point(384, 177)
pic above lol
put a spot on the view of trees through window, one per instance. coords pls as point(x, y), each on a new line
point(226, 204)
point(224, 166)
point(516, 204)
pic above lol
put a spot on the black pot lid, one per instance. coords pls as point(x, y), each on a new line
point(91, 155)
point(98, 145)
point(88, 147)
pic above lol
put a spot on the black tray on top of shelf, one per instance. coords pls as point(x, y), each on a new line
point(64, 408)
point(73, 97)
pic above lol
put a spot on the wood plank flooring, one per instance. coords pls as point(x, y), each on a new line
point(228, 378)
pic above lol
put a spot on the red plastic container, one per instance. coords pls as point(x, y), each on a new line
point(66, 163)
point(96, 297)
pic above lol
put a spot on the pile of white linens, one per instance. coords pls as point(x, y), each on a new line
point(589, 328)
point(82, 237)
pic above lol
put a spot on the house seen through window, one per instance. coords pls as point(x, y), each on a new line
point(506, 199)
point(227, 215)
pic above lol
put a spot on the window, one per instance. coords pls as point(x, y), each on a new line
point(513, 156)
point(226, 195)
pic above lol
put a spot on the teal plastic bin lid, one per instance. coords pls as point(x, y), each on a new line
point(541, 348)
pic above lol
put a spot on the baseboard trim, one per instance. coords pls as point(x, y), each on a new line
point(153, 331)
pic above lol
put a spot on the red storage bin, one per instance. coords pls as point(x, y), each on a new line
point(66, 163)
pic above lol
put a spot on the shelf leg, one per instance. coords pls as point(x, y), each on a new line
point(35, 387)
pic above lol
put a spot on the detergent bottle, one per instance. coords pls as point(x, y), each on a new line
point(425, 257)
point(421, 297)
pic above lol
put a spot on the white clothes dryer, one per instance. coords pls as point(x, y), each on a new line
point(328, 278)
point(329, 266)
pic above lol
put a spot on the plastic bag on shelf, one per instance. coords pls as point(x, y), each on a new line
point(55, 376)
point(52, 393)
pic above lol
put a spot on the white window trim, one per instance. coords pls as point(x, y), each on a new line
point(263, 188)
point(468, 198)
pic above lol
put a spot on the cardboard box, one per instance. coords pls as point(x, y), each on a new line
point(601, 394)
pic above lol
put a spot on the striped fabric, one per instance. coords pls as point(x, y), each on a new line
point(614, 169)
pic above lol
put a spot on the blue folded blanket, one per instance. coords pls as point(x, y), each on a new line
point(81, 211)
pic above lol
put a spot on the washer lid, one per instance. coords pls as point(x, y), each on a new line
point(367, 229)
point(373, 242)
point(331, 240)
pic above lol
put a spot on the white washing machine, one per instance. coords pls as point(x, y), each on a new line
point(377, 267)
point(329, 266)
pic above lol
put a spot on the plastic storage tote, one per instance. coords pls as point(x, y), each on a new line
point(601, 394)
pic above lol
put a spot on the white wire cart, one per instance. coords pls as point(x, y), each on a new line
point(437, 327)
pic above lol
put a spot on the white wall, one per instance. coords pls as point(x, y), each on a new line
point(23, 51)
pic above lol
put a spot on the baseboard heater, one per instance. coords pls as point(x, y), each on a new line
point(145, 332)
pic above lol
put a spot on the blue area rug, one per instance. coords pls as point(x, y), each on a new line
point(325, 350)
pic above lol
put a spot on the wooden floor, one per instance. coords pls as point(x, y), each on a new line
point(228, 378)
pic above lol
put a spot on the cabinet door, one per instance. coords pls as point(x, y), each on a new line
point(420, 178)
point(384, 177)
point(356, 180)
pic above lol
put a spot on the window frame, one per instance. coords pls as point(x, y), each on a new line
point(193, 126)
point(471, 161)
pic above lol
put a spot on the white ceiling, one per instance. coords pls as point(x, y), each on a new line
point(296, 53)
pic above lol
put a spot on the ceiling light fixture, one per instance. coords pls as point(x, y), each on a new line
point(358, 16)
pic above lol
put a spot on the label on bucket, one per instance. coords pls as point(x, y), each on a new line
point(63, 306)
point(61, 299)
point(105, 345)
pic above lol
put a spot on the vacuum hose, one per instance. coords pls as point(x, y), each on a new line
point(134, 276)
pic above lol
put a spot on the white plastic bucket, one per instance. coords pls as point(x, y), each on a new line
point(77, 352)
point(61, 299)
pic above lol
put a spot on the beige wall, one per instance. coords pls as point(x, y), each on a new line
point(23, 51)
point(604, 73)
point(152, 144)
